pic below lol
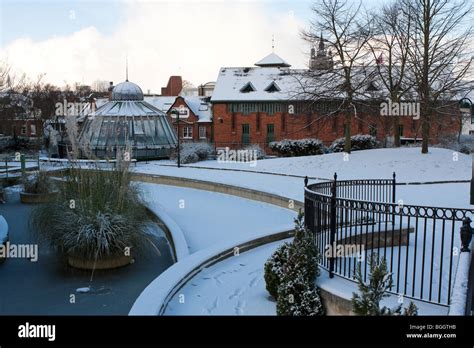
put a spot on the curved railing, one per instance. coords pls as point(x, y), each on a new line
point(352, 219)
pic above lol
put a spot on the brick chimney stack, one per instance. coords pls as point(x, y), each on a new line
point(174, 87)
point(111, 87)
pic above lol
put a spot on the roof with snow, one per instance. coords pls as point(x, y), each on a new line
point(198, 105)
point(127, 91)
point(272, 60)
point(162, 103)
point(255, 84)
point(200, 108)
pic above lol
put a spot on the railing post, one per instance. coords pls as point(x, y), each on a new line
point(394, 198)
point(466, 234)
point(333, 223)
point(394, 186)
point(306, 204)
point(308, 210)
point(23, 165)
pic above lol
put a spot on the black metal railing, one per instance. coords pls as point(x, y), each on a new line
point(352, 219)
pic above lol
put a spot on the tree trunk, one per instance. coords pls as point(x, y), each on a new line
point(425, 130)
point(396, 131)
point(347, 135)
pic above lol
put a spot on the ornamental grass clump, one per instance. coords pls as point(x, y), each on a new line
point(98, 214)
point(38, 183)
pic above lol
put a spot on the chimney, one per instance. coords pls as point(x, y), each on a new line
point(111, 87)
point(174, 87)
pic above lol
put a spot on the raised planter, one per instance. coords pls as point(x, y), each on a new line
point(109, 263)
point(36, 198)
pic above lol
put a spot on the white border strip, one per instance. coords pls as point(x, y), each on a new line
point(459, 295)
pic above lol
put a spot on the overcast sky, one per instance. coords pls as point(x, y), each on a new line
point(83, 41)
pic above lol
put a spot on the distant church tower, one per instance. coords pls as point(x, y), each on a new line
point(321, 60)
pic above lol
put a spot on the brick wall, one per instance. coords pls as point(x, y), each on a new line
point(174, 86)
point(228, 127)
point(21, 128)
point(191, 121)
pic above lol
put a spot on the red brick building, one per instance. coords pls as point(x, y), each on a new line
point(17, 117)
point(257, 105)
point(195, 121)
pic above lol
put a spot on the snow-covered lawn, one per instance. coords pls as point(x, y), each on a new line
point(207, 218)
point(232, 287)
point(409, 164)
point(441, 195)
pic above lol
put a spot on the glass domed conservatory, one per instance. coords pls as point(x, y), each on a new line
point(127, 122)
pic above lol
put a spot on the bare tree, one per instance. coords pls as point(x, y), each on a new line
point(390, 50)
point(347, 31)
point(439, 54)
point(100, 86)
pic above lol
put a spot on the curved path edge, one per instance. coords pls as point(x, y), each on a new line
point(172, 230)
point(156, 296)
point(243, 192)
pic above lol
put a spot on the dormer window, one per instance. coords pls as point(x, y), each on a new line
point(273, 87)
point(248, 88)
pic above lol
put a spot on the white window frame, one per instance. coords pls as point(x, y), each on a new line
point(32, 129)
point(202, 132)
point(23, 130)
point(187, 132)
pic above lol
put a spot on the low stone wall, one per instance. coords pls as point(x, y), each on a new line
point(334, 304)
point(379, 239)
point(242, 192)
point(155, 298)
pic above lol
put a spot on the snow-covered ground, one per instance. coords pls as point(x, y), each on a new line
point(409, 164)
point(207, 218)
point(232, 287)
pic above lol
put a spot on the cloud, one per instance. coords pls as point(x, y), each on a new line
point(162, 38)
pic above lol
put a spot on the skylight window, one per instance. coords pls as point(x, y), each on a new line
point(248, 88)
point(272, 88)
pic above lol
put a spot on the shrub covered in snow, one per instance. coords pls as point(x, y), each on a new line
point(465, 143)
point(303, 252)
point(260, 153)
point(294, 148)
point(372, 293)
point(290, 274)
point(358, 142)
point(193, 152)
point(274, 269)
point(297, 296)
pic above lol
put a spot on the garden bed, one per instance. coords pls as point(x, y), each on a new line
point(108, 263)
point(37, 198)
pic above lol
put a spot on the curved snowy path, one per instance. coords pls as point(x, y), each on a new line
point(207, 217)
point(234, 286)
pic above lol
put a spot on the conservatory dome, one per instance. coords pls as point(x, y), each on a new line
point(127, 91)
point(127, 123)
